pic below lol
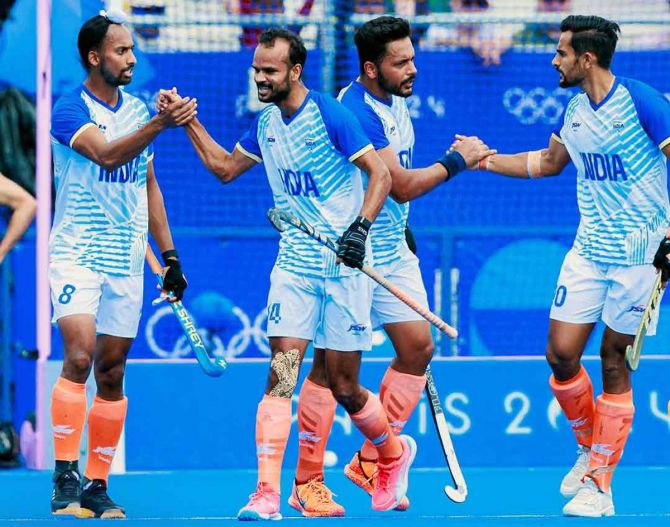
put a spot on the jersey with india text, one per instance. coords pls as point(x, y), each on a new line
point(621, 171)
point(385, 123)
point(101, 216)
point(308, 161)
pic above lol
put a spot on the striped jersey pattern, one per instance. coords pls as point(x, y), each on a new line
point(308, 161)
point(385, 123)
point(621, 171)
point(101, 217)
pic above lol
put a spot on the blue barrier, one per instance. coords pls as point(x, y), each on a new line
point(500, 411)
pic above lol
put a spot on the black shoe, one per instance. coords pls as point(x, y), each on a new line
point(66, 493)
point(96, 504)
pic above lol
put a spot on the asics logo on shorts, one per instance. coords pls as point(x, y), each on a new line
point(635, 309)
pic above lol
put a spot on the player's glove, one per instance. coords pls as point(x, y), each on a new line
point(173, 279)
point(351, 245)
point(661, 261)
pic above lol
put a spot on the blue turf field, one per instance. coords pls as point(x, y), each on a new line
point(497, 497)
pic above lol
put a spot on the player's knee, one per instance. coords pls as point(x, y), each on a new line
point(109, 379)
point(77, 365)
point(284, 370)
point(562, 358)
point(417, 360)
point(346, 393)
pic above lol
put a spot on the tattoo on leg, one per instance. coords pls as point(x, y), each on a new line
point(286, 365)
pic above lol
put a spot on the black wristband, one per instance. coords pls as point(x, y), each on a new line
point(364, 222)
point(172, 253)
point(453, 162)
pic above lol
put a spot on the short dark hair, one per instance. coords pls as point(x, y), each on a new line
point(297, 53)
point(594, 34)
point(91, 35)
point(371, 38)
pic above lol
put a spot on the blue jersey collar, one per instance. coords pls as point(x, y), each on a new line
point(595, 107)
point(388, 103)
point(103, 103)
point(298, 111)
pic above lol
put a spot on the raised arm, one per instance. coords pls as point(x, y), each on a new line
point(224, 165)
point(549, 161)
point(408, 184)
point(91, 143)
point(23, 206)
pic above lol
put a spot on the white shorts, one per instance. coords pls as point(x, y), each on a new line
point(386, 307)
point(114, 301)
point(332, 312)
point(588, 291)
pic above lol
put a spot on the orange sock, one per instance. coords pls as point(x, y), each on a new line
point(316, 411)
point(105, 424)
point(371, 420)
point(273, 425)
point(399, 393)
point(68, 411)
point(614, 417)
point(576, 398)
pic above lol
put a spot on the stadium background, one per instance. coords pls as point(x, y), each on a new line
point(490, 247)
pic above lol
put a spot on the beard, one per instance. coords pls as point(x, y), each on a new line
point(112, 79)
point(402, 89)
point(277, 94)
point(565, 82)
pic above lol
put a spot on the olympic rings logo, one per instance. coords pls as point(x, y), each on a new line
point(537, 105)
point(236, 345)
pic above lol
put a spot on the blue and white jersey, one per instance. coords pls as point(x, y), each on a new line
point(385, 123)
point(308, 161)
point(621, 171)
point(101, 217)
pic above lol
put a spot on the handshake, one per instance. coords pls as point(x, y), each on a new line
point(175, 110)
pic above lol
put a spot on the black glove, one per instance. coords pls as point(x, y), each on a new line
point(661, 261)
point(351, 247)
point(173, 278)
point(409, 238)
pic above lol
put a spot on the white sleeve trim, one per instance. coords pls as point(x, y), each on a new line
point(364, 150)
point(248, 154)
point(79, 132)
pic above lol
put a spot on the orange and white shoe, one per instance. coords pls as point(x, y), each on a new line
point(314, 500)
point(364, 474)
point(263, 505)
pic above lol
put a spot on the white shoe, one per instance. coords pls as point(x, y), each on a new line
point(590, 501)
point(573, 479)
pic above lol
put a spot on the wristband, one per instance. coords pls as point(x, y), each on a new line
point(453, 162)
point(366, 223)
point(484, 163)
point(172, 253)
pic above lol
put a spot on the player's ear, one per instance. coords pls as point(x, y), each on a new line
point(370, 69)
point(296, 71)
point(93, 58)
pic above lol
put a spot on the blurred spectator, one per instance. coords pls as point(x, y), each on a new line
point(488, 41)
point(23, 208)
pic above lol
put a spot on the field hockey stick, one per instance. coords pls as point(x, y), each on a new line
point(281, 220)
point(633, 352)
point(212, 366)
